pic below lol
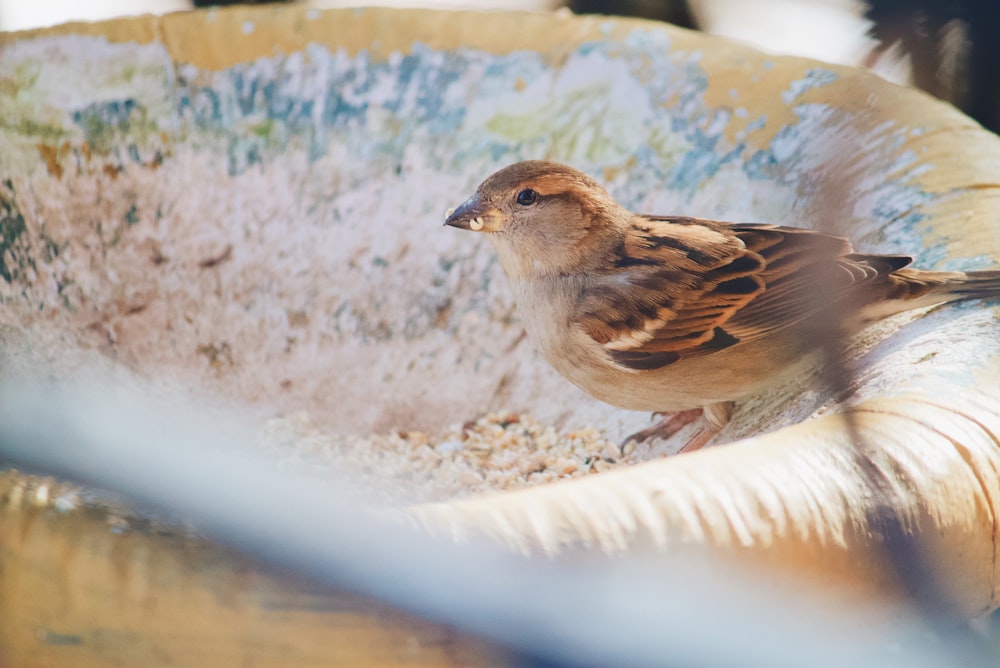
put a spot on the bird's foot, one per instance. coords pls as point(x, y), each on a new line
point(716, 416)
point(665, 428)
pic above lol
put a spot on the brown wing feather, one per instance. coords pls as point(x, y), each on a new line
point(648, 301)
point(683, 287)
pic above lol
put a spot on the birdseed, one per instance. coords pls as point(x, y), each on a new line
point(499, 451)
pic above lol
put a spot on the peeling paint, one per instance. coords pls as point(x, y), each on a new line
point(321, 177)
point(13, 231)
point(814, 78)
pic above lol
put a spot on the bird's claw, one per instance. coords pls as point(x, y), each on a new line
point(665, 428)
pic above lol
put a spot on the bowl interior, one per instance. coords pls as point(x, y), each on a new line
point(267, 226)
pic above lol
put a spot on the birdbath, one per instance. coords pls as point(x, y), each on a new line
point(246, 205)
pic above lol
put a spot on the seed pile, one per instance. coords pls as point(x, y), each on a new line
point(500, 451)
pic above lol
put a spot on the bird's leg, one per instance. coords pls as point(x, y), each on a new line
point(665, 428)
point(716, 417)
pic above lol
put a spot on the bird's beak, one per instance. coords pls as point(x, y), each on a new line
point(475, 215)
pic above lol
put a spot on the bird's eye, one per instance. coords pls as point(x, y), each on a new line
point(527, 197)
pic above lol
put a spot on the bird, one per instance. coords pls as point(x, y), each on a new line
point(678, 315)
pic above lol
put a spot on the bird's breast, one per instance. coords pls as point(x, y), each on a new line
point(547, 311)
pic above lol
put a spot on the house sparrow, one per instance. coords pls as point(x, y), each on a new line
point(678, 314)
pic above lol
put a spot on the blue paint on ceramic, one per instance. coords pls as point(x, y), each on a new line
point(763, 166)
point(757, 123)
point(98, 116)
point(701, 162)
point(814, 78)
point(376, 109)
point(967, 264)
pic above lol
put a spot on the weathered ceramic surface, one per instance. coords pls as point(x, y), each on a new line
point(249, 203)
point(270, 228)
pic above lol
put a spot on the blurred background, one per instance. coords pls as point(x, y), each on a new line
point(945, 47)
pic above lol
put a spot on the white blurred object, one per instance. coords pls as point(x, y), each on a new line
point(495, 5)
point(683, 609)
point(834, 31)
point(22, 15)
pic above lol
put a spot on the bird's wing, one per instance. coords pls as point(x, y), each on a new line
point(683, 287)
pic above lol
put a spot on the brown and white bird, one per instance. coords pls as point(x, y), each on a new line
point(677, 314)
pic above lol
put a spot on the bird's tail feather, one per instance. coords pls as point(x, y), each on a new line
point(917, 288)
point(976, 285)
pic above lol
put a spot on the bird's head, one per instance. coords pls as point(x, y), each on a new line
point(544, 218)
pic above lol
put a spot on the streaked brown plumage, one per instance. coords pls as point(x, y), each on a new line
point(675, 313)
